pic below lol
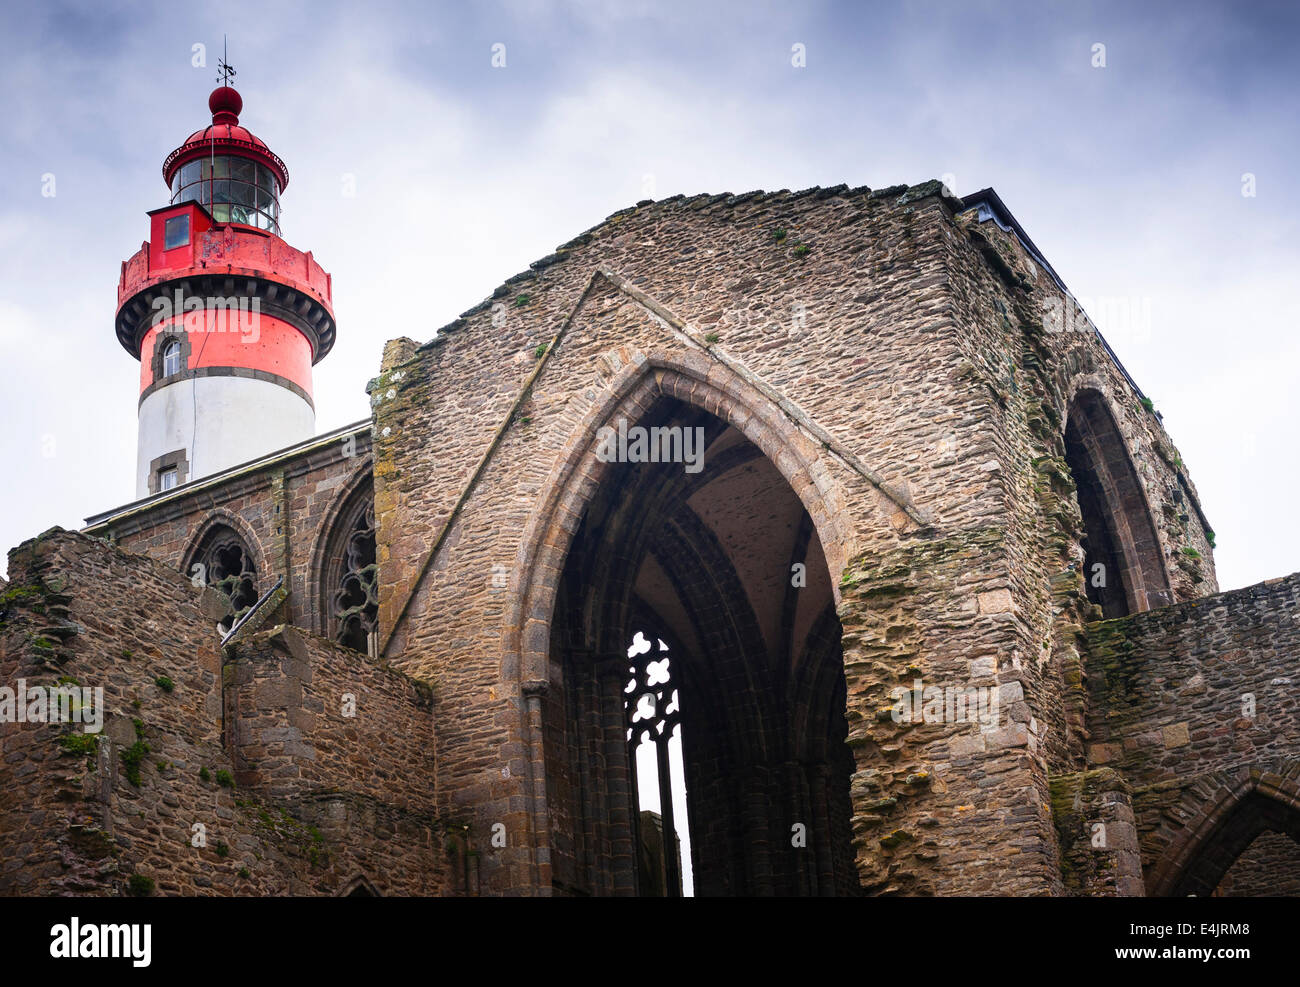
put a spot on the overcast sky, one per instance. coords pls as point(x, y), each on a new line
point(1129, 177)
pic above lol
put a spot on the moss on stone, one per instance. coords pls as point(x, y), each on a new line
point(139, 886)
point(897, 838)
point(132, 757)
point(80, 743)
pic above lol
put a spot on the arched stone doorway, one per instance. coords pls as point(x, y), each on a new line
point(716, 565)
point(1243, 841)
point(1248, 822)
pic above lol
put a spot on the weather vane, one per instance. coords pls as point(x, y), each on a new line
point(226, 73)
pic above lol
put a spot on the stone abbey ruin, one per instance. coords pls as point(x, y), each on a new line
point(418, 655)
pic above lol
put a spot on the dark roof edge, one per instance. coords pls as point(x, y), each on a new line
point(1000, 214)
point(213, 479)
point(992, 207)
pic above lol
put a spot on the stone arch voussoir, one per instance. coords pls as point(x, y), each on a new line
point(1206, 805)
point(338, 512)
point(694, 379)
point(220, 517)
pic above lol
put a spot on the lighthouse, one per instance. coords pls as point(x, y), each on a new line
point(226, 318)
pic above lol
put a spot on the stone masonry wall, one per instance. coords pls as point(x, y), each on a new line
point(897, 354)
point(311, 802)
point(283, 508)
point(908, 369)
point(1270, 868)
point(1024, 350)
point(743, 290)
point(1197, 705)
point(1098, 836)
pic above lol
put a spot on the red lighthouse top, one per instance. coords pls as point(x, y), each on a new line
point(224, 136)
point(225, 104)
point(228, 169)
point(220, 234)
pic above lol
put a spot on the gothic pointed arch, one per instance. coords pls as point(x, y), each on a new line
point(611, 543)
point(575, 477)
point(1124, 570)
point(359, 887)
point(345, 587)
point(224, 555)
point(1224, 816)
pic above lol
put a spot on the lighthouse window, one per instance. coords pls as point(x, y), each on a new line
point(214, 168)
point(171, 359)
point(234, 190)
point(176, 232)
point(168, 471)
point(267, 204)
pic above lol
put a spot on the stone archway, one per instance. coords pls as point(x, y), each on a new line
point(709, 556)
point(1223, 826)
point(1124, 571)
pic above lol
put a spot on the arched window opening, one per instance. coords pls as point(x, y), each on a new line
point(225, 564)
point(1251, 851)
point(170, 353)
point(351, 578)
point(171, 359)
point(359, 887)
point(652, 706)
point(357, 600)
point(1122, 568)
point(1268, 868)
point(1103, 568)
point(694, 719)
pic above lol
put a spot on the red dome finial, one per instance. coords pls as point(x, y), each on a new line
point(225, 104)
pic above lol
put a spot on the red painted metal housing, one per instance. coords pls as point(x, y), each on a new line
point(224, 136)
point(219, 249)
point(226, 259)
